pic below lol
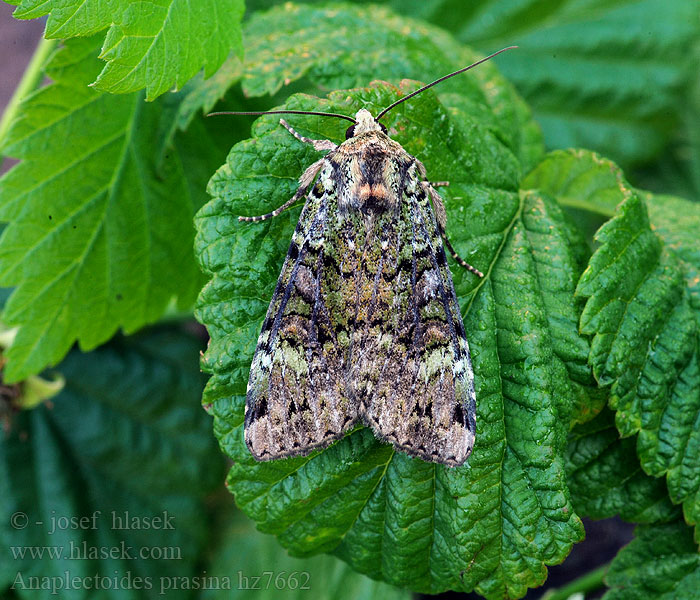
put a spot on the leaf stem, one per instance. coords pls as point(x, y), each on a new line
point(587, 583)
point(31, 78)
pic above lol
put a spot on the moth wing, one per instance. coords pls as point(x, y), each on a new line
point(411, 367)
point(296, 399)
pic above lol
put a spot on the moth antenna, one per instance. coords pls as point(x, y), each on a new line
point(425, 87)
point(283, 112)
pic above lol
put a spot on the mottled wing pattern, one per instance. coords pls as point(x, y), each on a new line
point(296, 398)
point(364, 322)
point(410, 368)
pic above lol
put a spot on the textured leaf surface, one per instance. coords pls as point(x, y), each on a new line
point(611, 76)
point(343, 46)
point(606, 479)
point(156, 45)
point(677, 221)
point(100, 213)
point(585, 180)
point(677, 450)
point(661, 563)
point(608, 76)
point(492, 524)
point(125, 434)
point(253, 554)
point(617, 77)
point(642, 310)
point(581, 179)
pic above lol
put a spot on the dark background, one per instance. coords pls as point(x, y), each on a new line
point(17, 42)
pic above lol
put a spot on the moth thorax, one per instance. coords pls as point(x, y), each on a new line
point(365, 122)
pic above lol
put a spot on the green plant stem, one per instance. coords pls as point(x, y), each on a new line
point(587, 583)
point(31, 79)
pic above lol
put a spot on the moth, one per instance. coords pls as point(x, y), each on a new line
point(364, 324)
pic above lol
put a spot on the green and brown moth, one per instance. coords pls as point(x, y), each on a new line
point(364, 324)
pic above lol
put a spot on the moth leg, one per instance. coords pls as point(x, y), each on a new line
point(438, 183)
point(305, 182)
point(441, 216)
point(317, 144)
point(457, 257)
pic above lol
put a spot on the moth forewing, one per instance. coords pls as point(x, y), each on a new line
point(364, 323)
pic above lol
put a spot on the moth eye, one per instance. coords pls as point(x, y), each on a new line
point(383, 127)
point(350, 132)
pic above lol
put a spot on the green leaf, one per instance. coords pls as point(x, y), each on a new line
point(677, 222)
point(314, 43)
point(606, 479)
point(610, 76)
point(656, 385)
point(677, 449)
point(642, 309)
point(662, 562)
point(343, 46)
point(125, 434)
point(100, 213)
point(580, 179)
point(491, 525)
point(156, 45)
point(245, 554)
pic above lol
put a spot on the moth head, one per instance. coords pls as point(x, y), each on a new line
point(364, 122)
